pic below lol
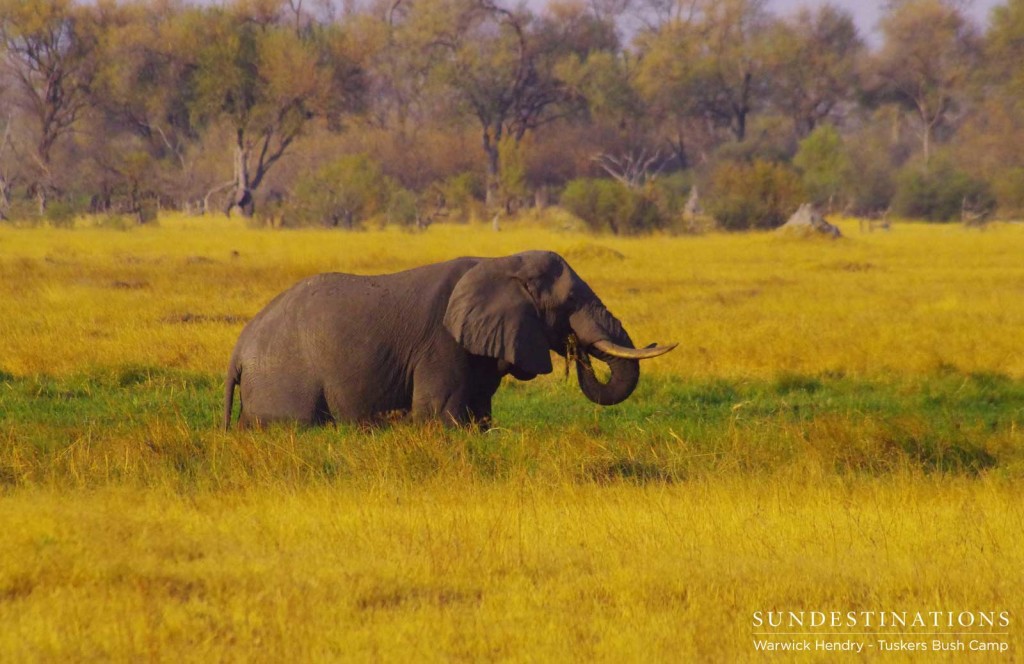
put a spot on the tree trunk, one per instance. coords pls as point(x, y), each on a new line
point(493, 183)
point(926, 145)
point(242, 198)
point(5, 197)
point(740, 128)
point(678, 147)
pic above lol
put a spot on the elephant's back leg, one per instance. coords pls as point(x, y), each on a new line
point(281, 396)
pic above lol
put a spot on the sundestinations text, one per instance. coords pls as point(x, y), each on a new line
point(878, 619)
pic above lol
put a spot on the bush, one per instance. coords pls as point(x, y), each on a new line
point(671, 192)
point(824, 165)
point(113, 221)
point(1008, 188)
point(607, 205)
point(403, 207)
point(343, 193)
point(758, 195)
point(940, 193)
point(61, 214)
point(462, 195)
point(22, 212)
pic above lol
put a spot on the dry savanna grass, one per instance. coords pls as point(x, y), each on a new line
point(914, 300)
point(840, 429)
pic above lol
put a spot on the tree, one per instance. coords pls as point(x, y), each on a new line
point(501, 70)
point(267, 82)
point(814, 58)
point(48, 52)
point(824, 165)
point(990, 142)
point(342, 193)
point(1004, 46)
point(617, 120)
point(142, 136)
point(5, 176)
point(758, 195)
point(929, 52)
point(707, 69)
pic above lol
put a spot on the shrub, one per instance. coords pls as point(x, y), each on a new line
point(607, 205)
point(1008, 188)
point(462, 195)
point(22, 212)
point(671, 192)
point(113, 221)
point(757, 195)
point(403, 207)
point(939, 193)
point(344, 193)
point(61, 214)
point(512, 183)
point(824, 165)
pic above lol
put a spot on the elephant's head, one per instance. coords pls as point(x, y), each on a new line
point(518, 308)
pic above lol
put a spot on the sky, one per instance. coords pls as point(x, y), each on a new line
point(867, 12)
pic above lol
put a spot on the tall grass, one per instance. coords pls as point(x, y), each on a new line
point(446, 570)
point(840, 429)
point(918, 299)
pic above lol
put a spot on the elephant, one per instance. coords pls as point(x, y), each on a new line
point(433, 342)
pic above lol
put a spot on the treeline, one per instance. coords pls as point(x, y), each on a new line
point(413, 111)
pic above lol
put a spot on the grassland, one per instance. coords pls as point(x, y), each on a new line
point(840, 429)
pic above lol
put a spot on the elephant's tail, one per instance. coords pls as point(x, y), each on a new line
point(234, 376)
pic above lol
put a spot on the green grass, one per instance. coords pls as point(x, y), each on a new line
point(136, 424)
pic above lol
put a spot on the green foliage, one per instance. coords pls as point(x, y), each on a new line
point(1008, 189)
point(909, 70)
point(462, 196)
point(166, 99)
point(940, 193)
point(753, 196)
point(114, 222)
point(61, 214)
point(512, 169)
point(769, 138)
point(607, 205)
point(671, 192)
point(402, 207)
point(343, 193)
point(873, 183)
point(22, 211)
point(824, 165)
point(1005, 45)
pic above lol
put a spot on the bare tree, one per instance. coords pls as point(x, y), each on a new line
point(5, 177)
point(632, 169)
point(929, 52)
point(502, 70)
point(48, 48)
point(267, 83)
point(814, 59)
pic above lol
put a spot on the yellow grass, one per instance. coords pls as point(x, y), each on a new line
point(531, 566)
point(912, 300)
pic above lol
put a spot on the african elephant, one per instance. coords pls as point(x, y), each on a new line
point(435, 340)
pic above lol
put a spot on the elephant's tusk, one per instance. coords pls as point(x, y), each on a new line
point(608, 348)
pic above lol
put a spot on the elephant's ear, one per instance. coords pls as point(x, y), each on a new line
point(491, 313)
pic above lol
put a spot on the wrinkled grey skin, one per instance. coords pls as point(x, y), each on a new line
point(434, 341)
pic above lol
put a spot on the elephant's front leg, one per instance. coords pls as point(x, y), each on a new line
point(457, 392)
point(439, 397)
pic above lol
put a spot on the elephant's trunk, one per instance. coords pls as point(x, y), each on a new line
point(624, 377)
point(593, 327)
